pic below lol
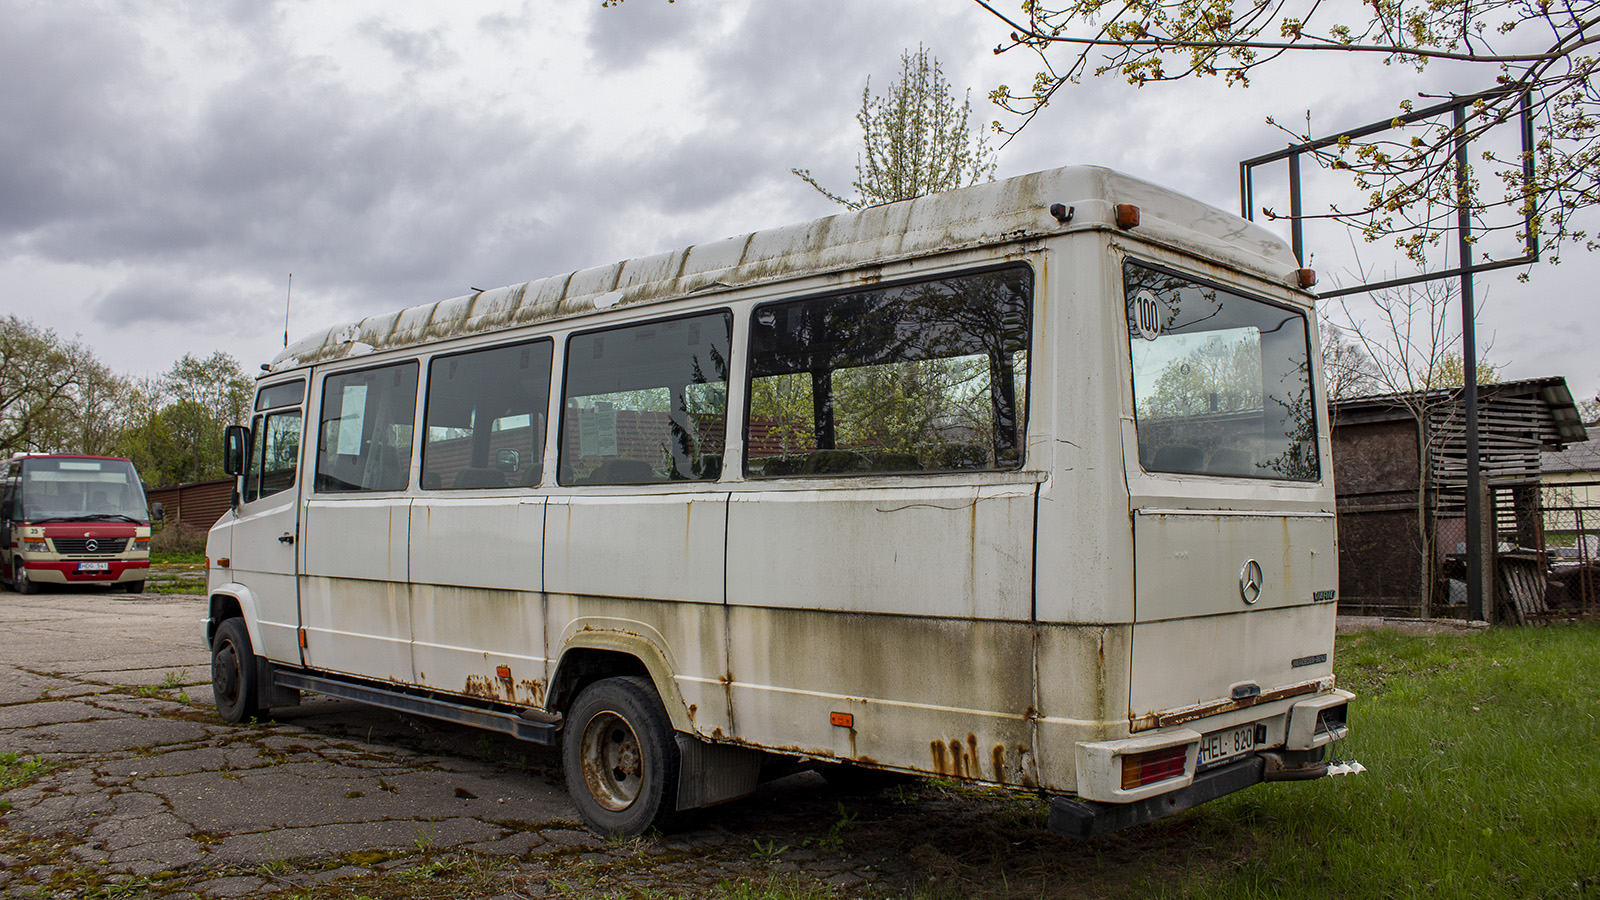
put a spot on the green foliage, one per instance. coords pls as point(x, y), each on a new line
point(176, 421)
point(1452, 372)
point(1407, 177)
point(915, 139)
point(16, 770)
point(54, 395)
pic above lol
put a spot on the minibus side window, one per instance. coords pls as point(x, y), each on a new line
point(646, 403)
point(1221, 381)
point(484, 425)
point(280, 456)
point(364, 440)
point(927, 376)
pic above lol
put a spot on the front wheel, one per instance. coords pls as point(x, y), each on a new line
point(23, 583)
point(233, 673)
point(133, 587)
point(620, 757)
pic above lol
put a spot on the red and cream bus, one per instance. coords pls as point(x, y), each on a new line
point(1025, 484)
point(71, 519)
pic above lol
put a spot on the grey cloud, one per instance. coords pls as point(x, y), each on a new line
point(628, 35)
point(159, 299)
point(412, 49)
point(507, 26)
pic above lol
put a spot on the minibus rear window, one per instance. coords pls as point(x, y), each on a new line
point(1221, 381)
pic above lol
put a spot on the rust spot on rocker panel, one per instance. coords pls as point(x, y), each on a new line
point(479, 686)
point(533, 691)
point(529, 692)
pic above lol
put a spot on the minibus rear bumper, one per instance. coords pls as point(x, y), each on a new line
point(1087, 818)
point(1145, 777)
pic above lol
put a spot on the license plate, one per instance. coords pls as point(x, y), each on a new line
point(1226, 744)
point(94, 567)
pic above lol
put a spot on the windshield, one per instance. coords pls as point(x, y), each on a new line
point(81, 490)
point(1221, 382)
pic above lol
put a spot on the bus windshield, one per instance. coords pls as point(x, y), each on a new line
point(1221, 382)
point(81, 490)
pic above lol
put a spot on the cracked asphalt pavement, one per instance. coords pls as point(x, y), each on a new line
point(118, 779)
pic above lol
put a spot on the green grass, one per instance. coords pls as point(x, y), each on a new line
point(1483, 758)
point(158, 558)
point(16, 771)
point(192, 588)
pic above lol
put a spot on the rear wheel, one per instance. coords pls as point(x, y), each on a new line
point(233, 673)
point(621, 758)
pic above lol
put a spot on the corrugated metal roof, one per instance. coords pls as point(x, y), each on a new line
point(1015, 209)
point(1576, 457)
point(1564, 414)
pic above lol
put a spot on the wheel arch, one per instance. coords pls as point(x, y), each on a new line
point(595, 653)
point(229, 601)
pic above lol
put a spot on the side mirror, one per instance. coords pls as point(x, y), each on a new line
point(507, 460)
point(157, 511)
point(6, 509)
point(235, 440)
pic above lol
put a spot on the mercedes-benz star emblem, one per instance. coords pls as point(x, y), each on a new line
point(91, 545)
point(1250, 580)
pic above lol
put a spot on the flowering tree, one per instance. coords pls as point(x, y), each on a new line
point(1408, 179)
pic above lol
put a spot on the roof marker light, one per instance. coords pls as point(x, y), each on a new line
point(1305, 279)
point(1062, 212)
point(1127, 216)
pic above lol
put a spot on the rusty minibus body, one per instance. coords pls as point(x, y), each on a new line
point(1024, 484)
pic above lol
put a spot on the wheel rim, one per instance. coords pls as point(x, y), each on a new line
point(225, 672)
point(613, 763)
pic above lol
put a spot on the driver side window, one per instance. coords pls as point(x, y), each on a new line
point(274, 454)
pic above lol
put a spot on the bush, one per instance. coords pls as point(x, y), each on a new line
point(178, 537)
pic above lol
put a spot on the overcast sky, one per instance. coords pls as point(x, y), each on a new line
point(167, 164)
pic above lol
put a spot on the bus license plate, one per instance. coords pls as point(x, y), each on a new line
point(94, 567)
point(1222, 745)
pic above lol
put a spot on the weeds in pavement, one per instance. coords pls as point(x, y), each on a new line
point(16, 770)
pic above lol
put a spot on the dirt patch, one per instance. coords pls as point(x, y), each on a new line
point(1351, 624)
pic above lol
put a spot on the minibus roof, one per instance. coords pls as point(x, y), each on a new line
point(998, 212)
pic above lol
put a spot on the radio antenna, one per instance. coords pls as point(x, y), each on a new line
point(287, 294)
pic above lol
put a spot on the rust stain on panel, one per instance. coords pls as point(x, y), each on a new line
point(999, 755)
point(533, 690)
point(938, 757)
point(480, 686)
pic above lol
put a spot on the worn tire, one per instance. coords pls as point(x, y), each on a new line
point(620, 757)
point(22, 583)
point(233, 673)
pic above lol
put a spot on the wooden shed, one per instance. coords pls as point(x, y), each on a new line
point(1400, 474)
point(197, 504)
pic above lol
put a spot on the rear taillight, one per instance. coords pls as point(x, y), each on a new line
point(1140, 769)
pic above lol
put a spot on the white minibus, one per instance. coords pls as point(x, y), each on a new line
point(1025, 484)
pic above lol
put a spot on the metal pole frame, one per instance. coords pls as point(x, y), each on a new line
point(1457, 106)
point(1469, 353)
